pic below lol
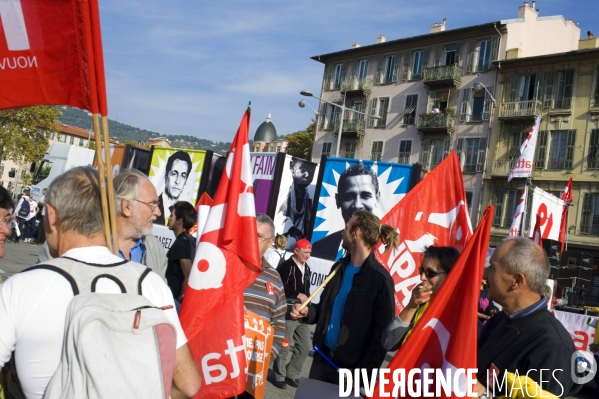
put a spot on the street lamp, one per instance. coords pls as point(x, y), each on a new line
point(343, 109)
point(479, 86)
point(302, 104)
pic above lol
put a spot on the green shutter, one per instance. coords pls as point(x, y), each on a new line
point(482, 150)
point(548, 97)
point(570, 140)
point(541, 149)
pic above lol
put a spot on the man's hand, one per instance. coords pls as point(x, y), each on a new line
point(479, 389)
point(298, 314)
point(302, 297)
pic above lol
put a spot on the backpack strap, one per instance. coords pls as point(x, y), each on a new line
point(60, 271)
point(141, 279)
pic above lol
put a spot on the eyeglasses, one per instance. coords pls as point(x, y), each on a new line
point(429, 273)
point(150, 205)
point(262, 239)
point(9, 220)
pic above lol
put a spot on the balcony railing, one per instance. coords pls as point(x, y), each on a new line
point(443, 75)
point(353, 125)
point(433, 122)
point(503, 167)
point(355, 84)
point(517, 109)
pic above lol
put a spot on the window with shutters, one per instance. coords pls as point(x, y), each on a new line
point(417, 64)
point(376, 152)
point(379, 107)
point(589, 217)
point(326, 148)
point(405, 151)
point(350, 149)
point(497, 216)
point(593, 155)
point(563, 94)
point(561, 149)
point(471, 153)
point(513, 196)
point(414, 64)
point(339, 71)
point(331, 115)
point(433, 152)
point(409, 112)
point(390, 71)
point(466, 107)
point(541, 149)
point(481, 53)
point(469, 195)
point(363, 70)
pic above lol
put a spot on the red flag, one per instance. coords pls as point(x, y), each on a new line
point(440, 340)
point(566, 196)
point(536, 235)
point(423, 218)
point(227, 261)
point(51, 54)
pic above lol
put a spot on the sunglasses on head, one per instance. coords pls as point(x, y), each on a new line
point(429, 273)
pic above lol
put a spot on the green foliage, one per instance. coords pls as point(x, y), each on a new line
point(299, 144)
point(24, 132)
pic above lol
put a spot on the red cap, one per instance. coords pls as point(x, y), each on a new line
point(303, 244)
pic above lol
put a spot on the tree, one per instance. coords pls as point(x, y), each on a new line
point(24, 132)
point(299, 144)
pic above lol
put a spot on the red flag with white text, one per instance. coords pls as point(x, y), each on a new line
point(440, 339)
point(536, 235)
point(227, 261)
point(51, 54)
point(567, 197)
point(425, 217)
point(517, 226)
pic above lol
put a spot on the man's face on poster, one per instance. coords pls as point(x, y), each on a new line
point(302, 172)
point(357, 193)
point(176, 178)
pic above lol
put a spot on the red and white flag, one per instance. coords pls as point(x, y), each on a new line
point(517, 220)
point(51, 54)
point(550, 209)
point(567, 198)
point(536, 235)
point(423, 218)
point(440, 340)
point(523, 167)
point(227, 260)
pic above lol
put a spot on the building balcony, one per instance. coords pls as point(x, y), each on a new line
point(520, 109)
point(351, 126)
point(502, 167)
point(436, 123)
point(443, 76)
point(356, 86)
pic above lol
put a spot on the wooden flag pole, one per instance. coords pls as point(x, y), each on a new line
point(319, 288)
point(101, 176)
point(110, 187)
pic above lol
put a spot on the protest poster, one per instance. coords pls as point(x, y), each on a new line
point(259, 336)
point(263, 170)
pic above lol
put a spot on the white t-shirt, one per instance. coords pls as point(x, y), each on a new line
point(32, 209)
point(273, 256)
point(32, 316)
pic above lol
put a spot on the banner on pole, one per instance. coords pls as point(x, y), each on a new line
point(523, 166)
point(549, 208)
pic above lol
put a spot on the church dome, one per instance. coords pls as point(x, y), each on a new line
point(266, 132)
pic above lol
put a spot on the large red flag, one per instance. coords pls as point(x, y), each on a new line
point(566, 196)
point(445, 337)
point(227, 261)
point(433, 212)
point(51, 54)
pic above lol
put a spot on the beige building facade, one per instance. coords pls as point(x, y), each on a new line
point(564, 89)
point(421, 93)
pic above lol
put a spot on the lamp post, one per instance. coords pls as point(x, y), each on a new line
point(479, 86)
point(343, 109)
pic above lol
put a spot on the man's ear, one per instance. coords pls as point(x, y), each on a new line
point(51, 218)
point(519, 281)
point(126, 208)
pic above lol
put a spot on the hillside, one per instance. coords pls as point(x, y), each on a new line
point(123, 132)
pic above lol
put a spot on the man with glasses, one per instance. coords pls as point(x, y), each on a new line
point(137, 208)
point(266, 296)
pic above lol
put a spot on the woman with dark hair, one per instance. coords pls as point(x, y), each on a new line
point(436, 264)
point(7, 222)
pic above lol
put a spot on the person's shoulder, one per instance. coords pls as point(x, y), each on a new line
point(271, 274)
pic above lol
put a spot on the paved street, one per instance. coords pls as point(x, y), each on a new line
point(19, 257)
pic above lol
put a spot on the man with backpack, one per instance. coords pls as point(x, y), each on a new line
point(21, 214)
point(35, 304)
point(180, 256)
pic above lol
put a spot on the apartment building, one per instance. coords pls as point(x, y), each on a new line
point(564, 89)
point(418, 92)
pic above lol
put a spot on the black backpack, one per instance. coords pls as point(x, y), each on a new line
point(282, 259)
point(24, 209)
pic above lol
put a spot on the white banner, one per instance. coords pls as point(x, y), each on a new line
point(549, 208)
point(523, 167)
point(320, 269)
point(582, 330)
point(517, 221)
point(164, 235)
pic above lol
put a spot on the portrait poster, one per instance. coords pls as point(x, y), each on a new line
point(176, 174)
point(263, 171)
point(348, 185)
point(295, 199)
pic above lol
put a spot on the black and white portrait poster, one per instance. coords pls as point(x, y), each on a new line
point(295, 200)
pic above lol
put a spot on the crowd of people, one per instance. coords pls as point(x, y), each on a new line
point(355, 322)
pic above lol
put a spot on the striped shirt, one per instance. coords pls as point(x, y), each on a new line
point(271, 307)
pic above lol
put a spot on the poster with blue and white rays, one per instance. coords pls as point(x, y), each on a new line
point(360, 179)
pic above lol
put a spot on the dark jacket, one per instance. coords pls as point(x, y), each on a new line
point(368, 310)
point(294, 283)
point(532, 342)
point(327, 247)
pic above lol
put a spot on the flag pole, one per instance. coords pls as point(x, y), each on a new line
point(110, 187)
point(319, 288)
point(523, 222)
point(567, 222)
point(101, 176)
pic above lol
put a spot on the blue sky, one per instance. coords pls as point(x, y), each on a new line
point(190, 67)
